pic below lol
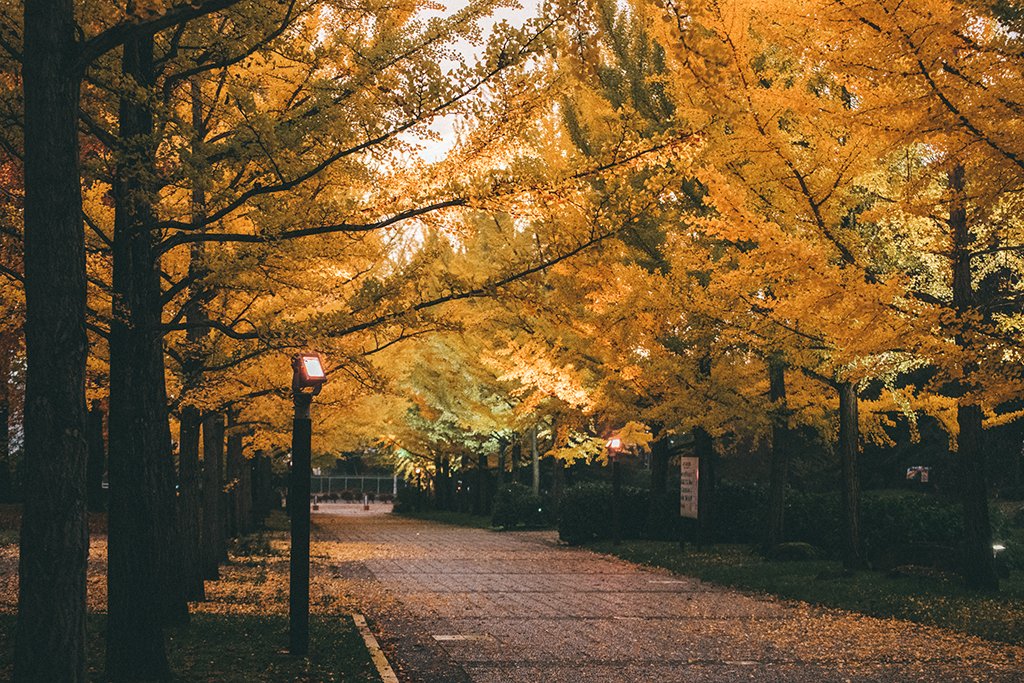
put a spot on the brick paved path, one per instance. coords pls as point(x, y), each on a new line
point(486, 607)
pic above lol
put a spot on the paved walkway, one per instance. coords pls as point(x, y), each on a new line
point(473, 606)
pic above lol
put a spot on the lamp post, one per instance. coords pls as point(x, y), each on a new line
point(308, 379)
point(614, 446)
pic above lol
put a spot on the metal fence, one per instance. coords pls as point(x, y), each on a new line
point(339, 483)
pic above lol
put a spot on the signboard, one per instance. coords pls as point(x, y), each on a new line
point(920, 474)
point(688, 477)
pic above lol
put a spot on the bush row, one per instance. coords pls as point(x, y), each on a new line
point(515, 505)
point(737, 514)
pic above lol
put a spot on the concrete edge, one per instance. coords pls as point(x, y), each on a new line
point(387, 674)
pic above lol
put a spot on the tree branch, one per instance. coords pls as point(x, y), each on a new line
point(116, 36)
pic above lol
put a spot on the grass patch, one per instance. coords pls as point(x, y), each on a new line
point(237, 648)
point(931, 598)
point(453, 518)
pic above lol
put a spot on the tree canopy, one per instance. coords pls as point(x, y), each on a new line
point(731, 219)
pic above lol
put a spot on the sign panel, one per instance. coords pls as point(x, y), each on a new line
point(688, 478)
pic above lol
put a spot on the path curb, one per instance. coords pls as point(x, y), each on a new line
point(387, 674)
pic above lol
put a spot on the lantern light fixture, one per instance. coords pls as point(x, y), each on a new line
point(308, 372)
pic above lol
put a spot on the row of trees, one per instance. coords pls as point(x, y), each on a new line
point(208, 186)
point(717, 218)
point(834, 217)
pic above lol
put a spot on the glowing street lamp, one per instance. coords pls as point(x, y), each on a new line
point(307, 374)
point(307, 371)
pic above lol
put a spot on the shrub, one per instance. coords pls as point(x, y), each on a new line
point(409, 499)
point(737, 512)
point(813, 518)
point(585, 513)
point(663, 520)
point(251, 545)
point(386, 497)
point(515, 504)
point(794, 552)
point(890, 517)
point(348, 496)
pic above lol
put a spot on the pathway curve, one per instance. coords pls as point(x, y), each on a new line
point(473, 606)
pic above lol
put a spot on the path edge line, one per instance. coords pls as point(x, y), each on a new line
point(387, 674)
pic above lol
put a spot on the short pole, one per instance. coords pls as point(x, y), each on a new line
point(616, 501)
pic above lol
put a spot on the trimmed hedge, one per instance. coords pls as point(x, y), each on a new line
point(737, 511)
point(515, 504)
point(585, 513)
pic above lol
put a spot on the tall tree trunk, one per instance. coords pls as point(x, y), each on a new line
point(849, 450)
point(659, 509)
point(50, 640)
point(8, 349)
point(480, 500)
point(516, 455)
point(557, 473)
point(659, 466)
point(442, 479)
point(97, 458)
point(535, 456)
point(190, 477)
point(239, 480)
point(263, 495)
point(557, 483)
point(499, 477)
point(6, 488)
point(145, 584)
point(704, 447)
point(190, 473)
point(780, 454)
point(212, 540)
point(979, 563)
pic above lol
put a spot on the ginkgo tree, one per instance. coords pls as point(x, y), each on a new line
point(945, 102)
point(904, 84)
point(380, 72)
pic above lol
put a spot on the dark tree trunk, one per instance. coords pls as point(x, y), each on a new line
point(480, 500)
point(146, 587)
point(499, 476)
point(557, 483)
point(704, 447)
point(8, 350)
point(190, 477)
point(659, 466)
point(263, 494)
point(516, 455)
point(212, 542)
point(849, 450)
point(50, 640)
point(780, 454)
point(97, 458)
point(535, 461)
point(239, 481)
point(442, 488)
point(6, 488)
point(190, 473)
point(979, 563)
point(659, 509)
